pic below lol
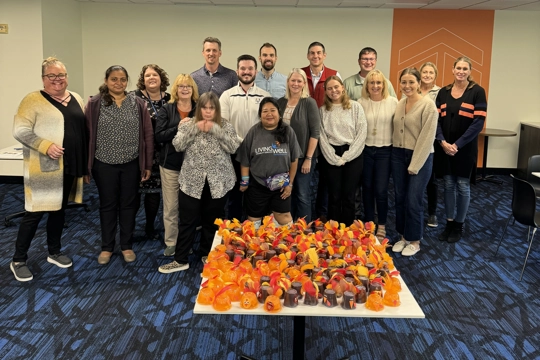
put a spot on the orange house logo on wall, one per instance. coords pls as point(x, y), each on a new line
point(441, 36)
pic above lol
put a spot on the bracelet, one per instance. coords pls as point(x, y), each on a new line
point(308, 158)
point(244, 183)
point(246, 178)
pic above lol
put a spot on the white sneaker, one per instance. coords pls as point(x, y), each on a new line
point(400, 245)
point(410, 250)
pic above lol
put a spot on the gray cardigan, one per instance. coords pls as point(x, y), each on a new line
point(305, 121)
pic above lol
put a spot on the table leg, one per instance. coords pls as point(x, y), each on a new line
point(484, 177)
point(299, 335)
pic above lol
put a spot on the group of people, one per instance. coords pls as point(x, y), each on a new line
point(246, 144)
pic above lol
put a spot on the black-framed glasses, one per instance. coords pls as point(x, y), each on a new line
point(53, 77)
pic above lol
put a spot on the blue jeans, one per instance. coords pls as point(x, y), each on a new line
point(375, 182)
point(301, 194)
point(460, 200)
point(409, 194)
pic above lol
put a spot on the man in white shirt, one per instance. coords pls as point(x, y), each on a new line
point(268, 78)
point(240, 105)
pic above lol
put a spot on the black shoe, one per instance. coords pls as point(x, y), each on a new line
point(456, 233)
point(432, 221)
point(60, 260)
point(21, 271)
point(447, 230)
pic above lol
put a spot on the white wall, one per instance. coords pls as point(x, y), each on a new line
point(514, 81)
point(21, 53)
point(62, 37)
point(171, 36)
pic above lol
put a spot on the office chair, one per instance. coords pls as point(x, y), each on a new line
point(533, 165)
point(524, 212)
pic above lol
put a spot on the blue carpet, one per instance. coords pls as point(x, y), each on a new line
point(475, 307)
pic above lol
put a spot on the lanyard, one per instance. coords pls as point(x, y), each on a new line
point(152, 103)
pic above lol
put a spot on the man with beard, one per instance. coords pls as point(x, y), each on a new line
point(240, 105)
point(367, 59)
point(213, 76)
point(268, 78)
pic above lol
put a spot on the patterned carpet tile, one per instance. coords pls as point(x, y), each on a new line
point(474, 305)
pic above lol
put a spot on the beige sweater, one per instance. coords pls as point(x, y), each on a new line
point(37, 125)
point(416, 130)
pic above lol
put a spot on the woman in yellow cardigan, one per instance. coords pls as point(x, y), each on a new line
point(50, 124)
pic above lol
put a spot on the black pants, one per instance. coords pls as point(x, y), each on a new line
point(342, 184)
point(151, 208)
point(431, 191)
point(118, 188)
point(55, 226)
point(190, 211)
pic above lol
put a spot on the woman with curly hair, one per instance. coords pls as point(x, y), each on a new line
point(151, 86)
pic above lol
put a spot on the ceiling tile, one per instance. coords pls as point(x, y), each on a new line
point(498, 4)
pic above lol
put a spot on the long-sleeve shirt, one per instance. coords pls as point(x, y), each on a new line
point(339, 127)
point(305, 121)
point(415, 130)
point(206, 157)
point(380, 119)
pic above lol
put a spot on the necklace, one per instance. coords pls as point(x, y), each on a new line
point(59, 99)
point(375, 118)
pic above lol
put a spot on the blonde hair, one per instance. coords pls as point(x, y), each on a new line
point(372, 74)
point(305, 89)
point(345, 100)
point(429, 63)
point(50, 61)
point(180, 79)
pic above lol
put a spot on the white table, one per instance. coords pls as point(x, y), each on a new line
point(409, 308)
point(537, 174)
point(11, 161)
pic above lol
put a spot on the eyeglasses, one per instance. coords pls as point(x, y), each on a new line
point(185, 87)
point(53, 77)
point(367, 59)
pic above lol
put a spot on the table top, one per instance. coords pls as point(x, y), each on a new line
point(409, 308)
point(497, 132)
point(537, 174)
point(13, 152)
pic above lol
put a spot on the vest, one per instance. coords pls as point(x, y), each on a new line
point(318, 92)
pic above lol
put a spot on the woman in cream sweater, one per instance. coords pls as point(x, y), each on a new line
point(415, 123)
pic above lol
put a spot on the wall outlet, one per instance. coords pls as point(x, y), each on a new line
point(3, 28)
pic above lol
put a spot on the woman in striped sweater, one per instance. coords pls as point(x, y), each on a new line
point(462, 109)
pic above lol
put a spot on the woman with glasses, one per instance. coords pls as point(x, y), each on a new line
point(50, 126)
point(121, 149)
point(301, 113)
point(181, 108)
point(153, 82)
point(206, 176)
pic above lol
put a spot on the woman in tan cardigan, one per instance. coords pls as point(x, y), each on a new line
point(50, 126)
point(415, 123)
